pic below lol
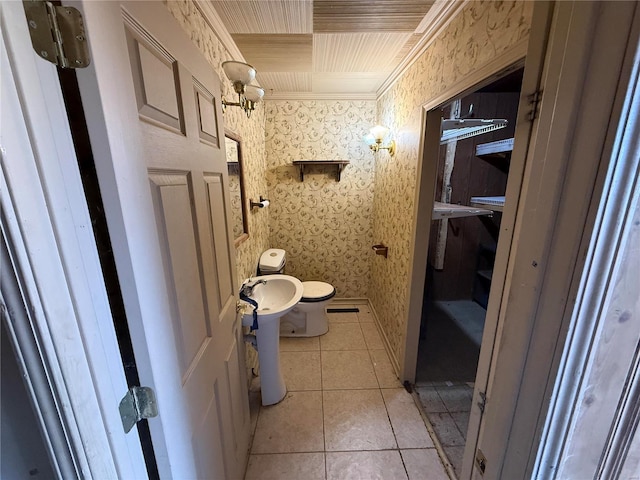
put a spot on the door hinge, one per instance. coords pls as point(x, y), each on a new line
point(57, 33)
point(137, 404)
point(534, 100)
point(481, 461)
point(483, 401)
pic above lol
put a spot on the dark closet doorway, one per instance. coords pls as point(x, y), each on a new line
point(473, 169)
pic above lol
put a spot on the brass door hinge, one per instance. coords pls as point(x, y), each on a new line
point(57, 33)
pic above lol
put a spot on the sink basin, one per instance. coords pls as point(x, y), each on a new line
point(275, 298)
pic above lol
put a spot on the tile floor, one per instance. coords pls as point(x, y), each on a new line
point(447, 406)
point(447, 364)
point(345, 415)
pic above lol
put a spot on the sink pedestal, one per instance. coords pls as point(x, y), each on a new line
point(271, 379)
point(275, 295)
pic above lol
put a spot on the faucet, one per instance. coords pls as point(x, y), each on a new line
point(247, 287)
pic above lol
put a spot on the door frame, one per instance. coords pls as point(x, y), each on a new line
point(601, 427)
point(511, 60)
point(549, 239)
point(64, 339)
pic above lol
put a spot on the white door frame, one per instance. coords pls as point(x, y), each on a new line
point(562, 182)
point(552, 191)
point(587, 433)
point(47, 231)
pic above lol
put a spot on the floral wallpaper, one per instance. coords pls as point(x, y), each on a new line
point(324, 225)
point(250, 130)
point(483, 30)
point(328, 227)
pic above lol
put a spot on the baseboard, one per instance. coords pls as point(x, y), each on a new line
point(385, 340)
point(348, 301)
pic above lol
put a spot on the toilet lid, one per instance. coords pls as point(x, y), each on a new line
point(317, 291)
point(272, 260)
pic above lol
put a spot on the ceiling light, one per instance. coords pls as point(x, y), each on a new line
point(241, 74)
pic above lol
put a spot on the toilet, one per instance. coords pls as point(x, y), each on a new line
point(309, 317)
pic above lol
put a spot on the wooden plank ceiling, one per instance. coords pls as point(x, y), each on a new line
point(323, 47)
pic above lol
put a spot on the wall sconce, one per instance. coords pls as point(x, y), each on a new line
point(241, 75)
point(376, 136)
point(261, 204)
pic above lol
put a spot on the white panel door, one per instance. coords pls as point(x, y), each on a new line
point(155, 121)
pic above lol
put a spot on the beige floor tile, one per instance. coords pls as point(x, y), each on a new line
point(254, 407)
point(343, 336)
point(430, 400)
point(364, 308)
point(455, 455)
point(446, 429)
point(457, 398)
point(424, 464)
point(384, 370)
point(371, 336)
point(299, 344)
point(381, 465)
point(406, 421)
point(342, 317)
point(365, 316)
point(356, 420)
point(301, 370)
point(347, 370)
point(286, 466)
point(462, 421)
point(293, 425)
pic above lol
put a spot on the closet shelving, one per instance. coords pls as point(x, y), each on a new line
point(493, 203)
point(449, 210)
point(498, 154)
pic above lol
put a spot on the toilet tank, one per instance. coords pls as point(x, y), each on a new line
point(272, 261)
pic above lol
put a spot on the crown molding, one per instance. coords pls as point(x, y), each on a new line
point(318, 96)
point(436, 20)
point(219, 29)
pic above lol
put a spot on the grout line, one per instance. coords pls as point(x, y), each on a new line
point(324, 431)
point(437, 446)
point(341, 451)
point(448, 466)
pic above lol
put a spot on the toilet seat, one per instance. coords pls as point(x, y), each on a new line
point(317, 291)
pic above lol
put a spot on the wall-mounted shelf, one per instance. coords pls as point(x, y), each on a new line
point(494, 203)
point(449, 210)
point(496, 153)
point(340, 164)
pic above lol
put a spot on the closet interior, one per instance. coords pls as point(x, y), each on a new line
point(473, 168)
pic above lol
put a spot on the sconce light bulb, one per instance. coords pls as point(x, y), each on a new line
point(379, 132)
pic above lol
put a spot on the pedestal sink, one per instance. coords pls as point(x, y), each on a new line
point(275, 295)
